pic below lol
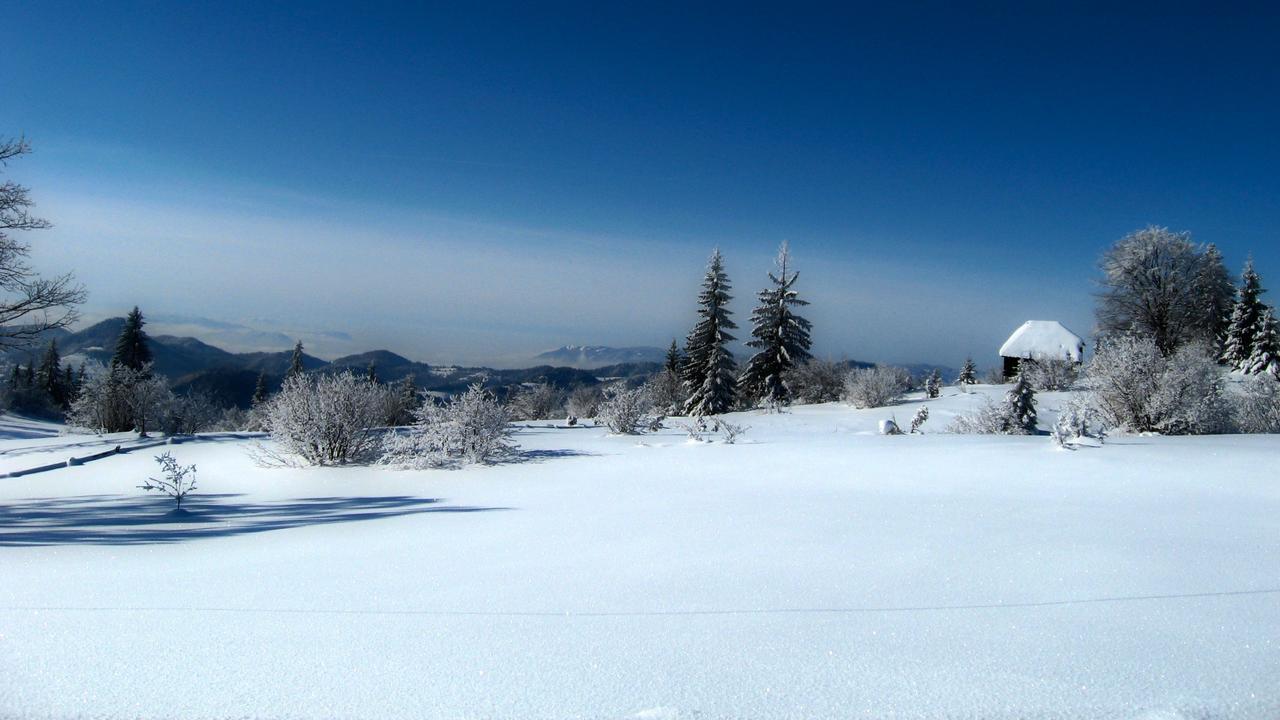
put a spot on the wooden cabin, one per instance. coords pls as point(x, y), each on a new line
point(1040, 339)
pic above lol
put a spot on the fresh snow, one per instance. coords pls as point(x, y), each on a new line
point(1043, 338)
point(816, 569)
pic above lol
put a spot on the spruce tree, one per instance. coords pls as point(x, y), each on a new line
point(372, 372)
point(968, 373)
point(1237, 348)
point(1020, 405)
point(132, 349)
point(260, 392)
point(29, 377)
point(1215, 296)
point(1266, 346)
point(780, 337)
point(295, 362)
point(69, 387)
point(15, 378)
point(674, 360)
point(709, 367)
point(933, 384)
point(50, 375)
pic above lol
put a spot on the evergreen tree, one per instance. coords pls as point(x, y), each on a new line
point(1237, 348)
point(15, 378)
point(709, 367)
point(260, 392)
point(372, 372)
point(29, 376)
point(1266, 346)
point(1215, 294)
point(50, 375)
point(674, 360)
point(132, 349)
point(781, 337)
point(933, 384)
point(295, 362)
point(1020, 404)
point(70, 389)
point(968, 373)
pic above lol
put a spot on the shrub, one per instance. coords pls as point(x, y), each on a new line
point(1136, 388)
point(626, 412)
point(921, 416)
point(1257, 408)
point(584, 402)
point(816, 381)
point(537, 402)
point(1078, 421)
point(177, 482)
point(1051, 373)
point(324, 419)
point(876, 386)
point(472, 428)
point(1015, 415)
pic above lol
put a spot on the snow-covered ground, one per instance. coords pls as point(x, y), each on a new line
point(816, 569)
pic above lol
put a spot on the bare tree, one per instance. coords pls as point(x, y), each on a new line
point(30, 305)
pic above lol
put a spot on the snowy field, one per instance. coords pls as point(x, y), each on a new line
point(815, 569)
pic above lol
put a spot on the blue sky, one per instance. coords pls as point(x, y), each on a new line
point(478, 183)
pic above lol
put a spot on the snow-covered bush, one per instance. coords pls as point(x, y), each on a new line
point(178, 481)
point(540, 401)
point(1257, 407)
point(472, 428)
point(626, 412)
point(324, 419)
point(890, 427)
point(192, 412)
point(875, 386)
point(1078, 422)
point(1015, 415)
point(584, 402)
point(730, 432)
point(1051, 373)
point(816, 381)
point(919, 419)
point(1136, 388)
point(667, 392)
point(120, 398)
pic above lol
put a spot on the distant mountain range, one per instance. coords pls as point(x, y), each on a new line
point(594, 356)
point(191, 364)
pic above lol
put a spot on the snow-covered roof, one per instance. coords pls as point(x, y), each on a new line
point(1043, 338)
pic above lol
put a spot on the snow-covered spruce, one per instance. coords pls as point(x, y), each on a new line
point(324, 419)
point(1264, 359)
point(933, 384)
point(968, 373)
point(875, 386)
point(779, 335)
point(919, 419)
point(472, 428)
point(1237, 347)
point(709, 368)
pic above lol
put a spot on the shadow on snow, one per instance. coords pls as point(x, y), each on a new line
point(141, 520)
